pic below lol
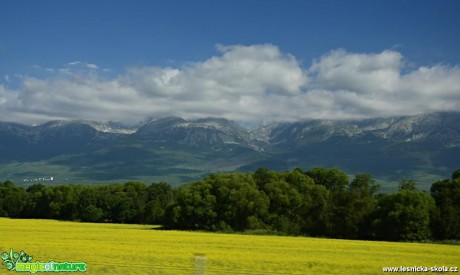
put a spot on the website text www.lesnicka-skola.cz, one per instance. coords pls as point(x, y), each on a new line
point(420, 269)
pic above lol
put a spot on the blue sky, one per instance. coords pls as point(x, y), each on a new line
point(105, 53)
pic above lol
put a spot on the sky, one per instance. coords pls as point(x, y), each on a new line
point(247, 61)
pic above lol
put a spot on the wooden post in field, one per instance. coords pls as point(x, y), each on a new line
point(200, 264)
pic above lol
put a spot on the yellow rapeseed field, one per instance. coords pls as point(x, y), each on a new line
point(139, 249)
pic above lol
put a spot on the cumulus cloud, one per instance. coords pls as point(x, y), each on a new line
point(361, 73)
point(242, 83)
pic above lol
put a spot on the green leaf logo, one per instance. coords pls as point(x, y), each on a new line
point(11, 259)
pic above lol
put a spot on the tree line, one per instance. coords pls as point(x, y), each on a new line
point(319, 202)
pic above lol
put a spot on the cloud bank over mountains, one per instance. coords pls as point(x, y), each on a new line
point(242, 83)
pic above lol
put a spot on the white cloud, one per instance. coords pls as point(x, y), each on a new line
point(85, 65)
point(243, 83)
point(92, 66)
point(74, 63)
point(361, 73)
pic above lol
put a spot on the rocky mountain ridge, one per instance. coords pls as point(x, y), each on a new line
point(156, 147)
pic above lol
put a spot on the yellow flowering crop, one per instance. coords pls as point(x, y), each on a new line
point(141, 249)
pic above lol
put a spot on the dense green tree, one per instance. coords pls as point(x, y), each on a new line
point(239, 203)
point(456, 174)
point(314, 210)
point(62, 202)
point(365, 184)
point(108, 199)
point(132, 203)
point(285, 205)
point(159, 196)
point(404, 215)
point(263, 176)
point(116, 204)
point(87, 208)
point(92, 213)
point(219, 202)
point(194, 208)
point(333, 179)
point(446, 193)
point(12, 199)
point(348, 212)
point(36, 204)
point(407, 185)
point(298, 179)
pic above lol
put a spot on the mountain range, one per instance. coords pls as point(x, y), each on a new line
point(421, 147)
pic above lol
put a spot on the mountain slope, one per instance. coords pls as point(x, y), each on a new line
point(424, 147)
point(391, 148)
